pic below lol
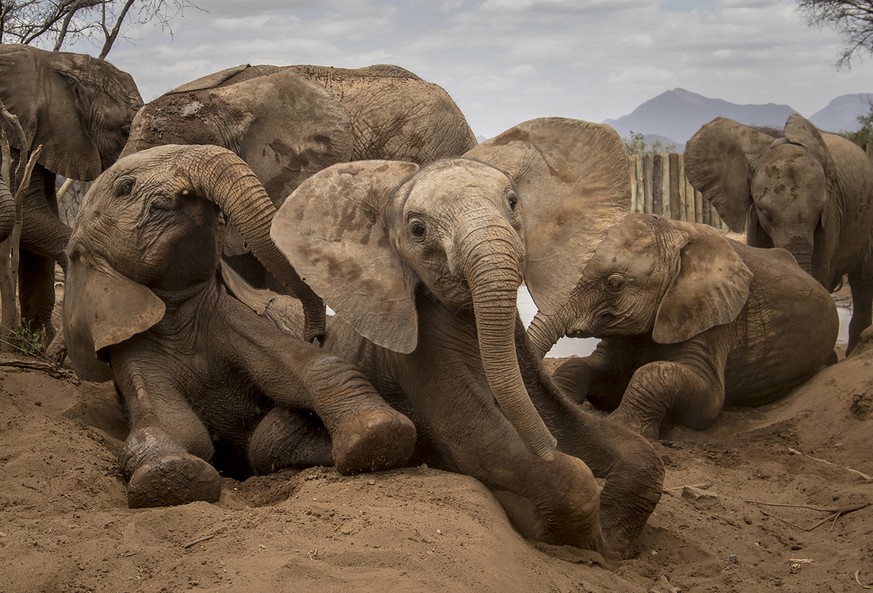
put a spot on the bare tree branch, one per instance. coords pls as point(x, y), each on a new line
point(853, 19)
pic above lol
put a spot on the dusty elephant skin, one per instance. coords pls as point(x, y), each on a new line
point(201, 374)
point(79, 108)
point(809, 192)
point(690, 321)
point(289, 122)
point(422, 268)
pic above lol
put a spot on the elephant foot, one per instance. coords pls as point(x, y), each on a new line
point(373, 440)
point(173, 479)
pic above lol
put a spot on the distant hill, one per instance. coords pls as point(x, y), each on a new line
point(841, 114)
point(675, 115)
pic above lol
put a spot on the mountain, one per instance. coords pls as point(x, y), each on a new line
point(841, 114)
point(677, 114)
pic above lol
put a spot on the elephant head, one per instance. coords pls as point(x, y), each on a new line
point(283, 125)
point(77, 107)
point(785, 191)
point(528, 205)
point(171, 200)
point(650, 276)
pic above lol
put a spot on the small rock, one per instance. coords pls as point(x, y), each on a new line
point(663, 586)
point(701, 499)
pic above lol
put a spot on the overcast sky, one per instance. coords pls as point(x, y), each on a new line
point(506, 61)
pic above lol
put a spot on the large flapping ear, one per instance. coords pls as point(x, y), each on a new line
point(102, 308)
point(799, 130)
point(709, 287)
point(333, 231)
point(573, 183)
point(718, 162)
point(297, 128)
point(36, 87)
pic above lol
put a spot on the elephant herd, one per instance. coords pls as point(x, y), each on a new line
point(225, 215)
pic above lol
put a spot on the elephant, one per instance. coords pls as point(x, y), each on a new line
point(287, 122)
point(689, 321)
point(79, 108)
point(809, 192)
point(422, 266)
point(203, 378)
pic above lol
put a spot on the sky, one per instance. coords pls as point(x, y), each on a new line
point(507, 61)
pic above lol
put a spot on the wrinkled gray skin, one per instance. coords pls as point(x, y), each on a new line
point(809, 192)
point(79, 108)
point(289, 122)
point(202, 376)
point(690, 321)
point(422, 268)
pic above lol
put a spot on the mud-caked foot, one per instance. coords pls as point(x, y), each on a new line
point(373, 440)
point(177, 478)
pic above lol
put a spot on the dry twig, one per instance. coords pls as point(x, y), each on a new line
point(834, 513)
point(858, 580)
point(864, 476)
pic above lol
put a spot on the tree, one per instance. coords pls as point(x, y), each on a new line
point(635, 144)
point(863, 136)
point(50, 24)
point(852, 18)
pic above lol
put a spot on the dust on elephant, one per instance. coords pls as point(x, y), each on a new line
point(690, 321)
point(809, 192)
point(201, 374)
point(289, 122)
point(422, 267)
point(79, 108)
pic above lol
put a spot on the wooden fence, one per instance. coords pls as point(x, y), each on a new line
point(659, 186)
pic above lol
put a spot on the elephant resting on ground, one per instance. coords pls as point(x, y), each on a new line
point(689, 321)
point(809, 192)
point(200, 373)
point(287, 122)
point(79, 109)
point(422, 268)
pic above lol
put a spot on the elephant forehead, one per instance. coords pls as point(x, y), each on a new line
point(455, 180)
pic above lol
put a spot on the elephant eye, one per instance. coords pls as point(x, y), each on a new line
point(513, 201)
point(614, 282)
point(416, 229)
point(123, 188)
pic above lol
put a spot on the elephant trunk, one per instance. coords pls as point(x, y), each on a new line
point(545, 331)
point(801, 249)
point(225, 179)
point(493, 272)
point(7, 211)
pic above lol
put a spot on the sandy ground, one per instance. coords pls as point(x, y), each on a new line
point(768, 499)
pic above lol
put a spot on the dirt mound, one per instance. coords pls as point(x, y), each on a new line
point(740, 510)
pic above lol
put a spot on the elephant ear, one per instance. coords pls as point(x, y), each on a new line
point(293, 128)
point(333, 231)
point(573, 183)
point(718, 161)
point(102, 308)
point(709, 287)
point(29, 79)
point(799, 130)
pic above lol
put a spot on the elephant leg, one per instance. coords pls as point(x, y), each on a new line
point(595, 378)
point(666, 388)
point(289, 438)
point(166, 454)
point(37, 292)
point(366, 432)
point(861, 284)
point(630, 466)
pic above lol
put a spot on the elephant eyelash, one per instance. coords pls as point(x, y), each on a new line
point(124, 188)
point(417, 229)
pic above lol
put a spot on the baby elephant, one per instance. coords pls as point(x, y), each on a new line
point(689, 321)
point(202, 376)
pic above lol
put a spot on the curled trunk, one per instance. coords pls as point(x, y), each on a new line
point(226, 179)
point(545, 331)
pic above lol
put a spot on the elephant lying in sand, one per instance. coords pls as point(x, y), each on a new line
point(690, 321)
point(422, 267)
point(201, 375)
